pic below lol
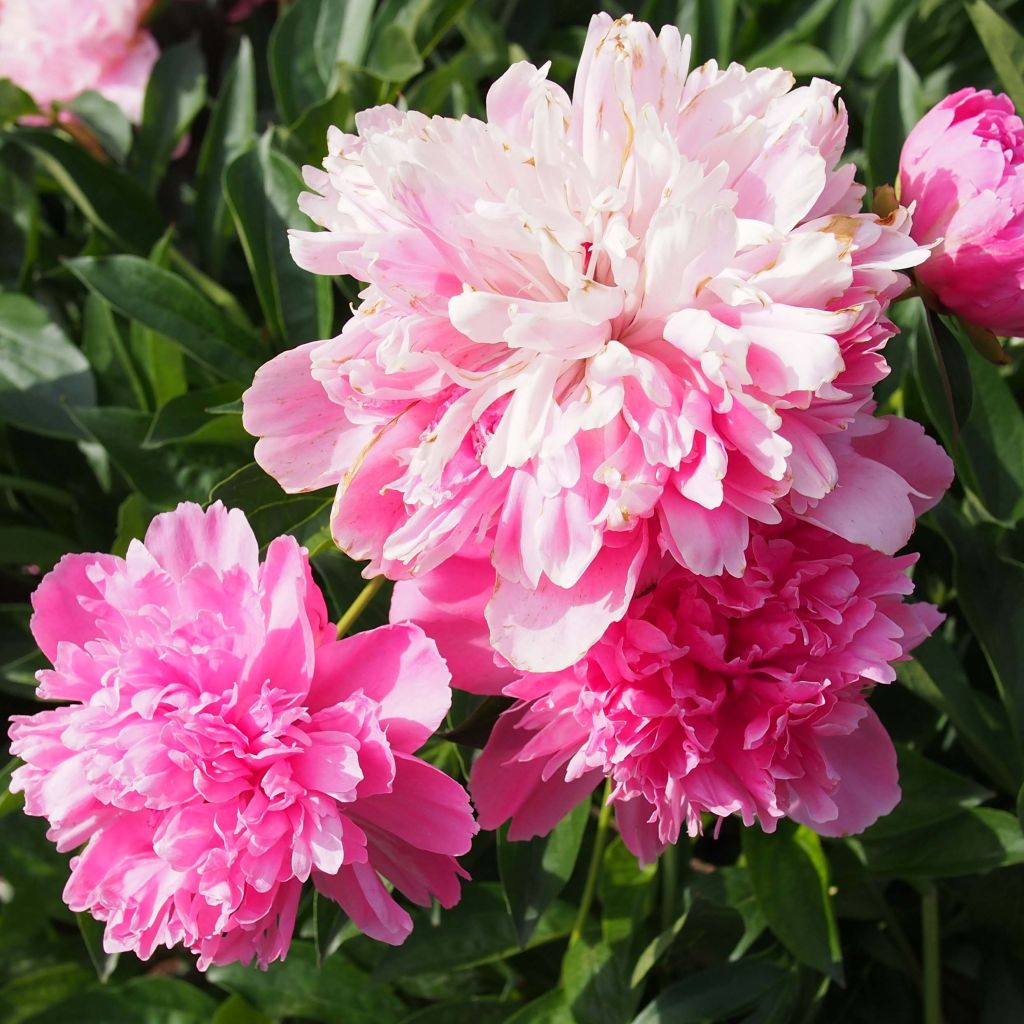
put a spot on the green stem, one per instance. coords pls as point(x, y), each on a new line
point(359, 605)
point(931, 956)
point(594, 870)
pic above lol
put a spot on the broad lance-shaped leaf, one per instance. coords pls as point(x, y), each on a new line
point(166, 303)
point(230, 132)
point(41, 371)
point(534, 872)
point(790, 876)
point(175, 94)
point(262, 188)
point(1005, 46)
point(108, 198)
point(310, 40)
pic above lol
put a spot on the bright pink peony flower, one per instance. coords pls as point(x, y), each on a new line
point(724, 695)
point(221, 747)
point(57, 49)
point(963, 165)
point(655, 303)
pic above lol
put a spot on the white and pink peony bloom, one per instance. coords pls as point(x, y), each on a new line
point(221, 747)
point(640, 317)
point(57, 49)
point(712, 695)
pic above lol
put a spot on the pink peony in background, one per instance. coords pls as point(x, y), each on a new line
point(637, 319)
point(723, 695)
point(963, 165)
point(220, 747)
point(57, 49)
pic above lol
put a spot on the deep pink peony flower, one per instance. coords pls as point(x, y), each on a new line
point(654, 304)
point(724, 695)
point(963, 165)
point(222, 747)
point(57, 49)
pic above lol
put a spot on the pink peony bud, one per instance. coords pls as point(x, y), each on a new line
point(963, 165)
point(220, 746)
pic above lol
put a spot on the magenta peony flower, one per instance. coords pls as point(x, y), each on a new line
point(221, 747)
point(57, 49)
point(642, 316)
point(963, 165)
point(723, 695)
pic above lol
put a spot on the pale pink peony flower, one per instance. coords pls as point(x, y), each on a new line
point(723, 695)
point(963, 165)
point(653, 305)
point(57, 49)
point(221, 747)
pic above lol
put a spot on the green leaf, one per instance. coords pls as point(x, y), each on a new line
point(1004, 45)
point(270, 510)
point(625, 890)
point(595, 983)
point(169, 305)
point(14, 102)
point(140, 1001)
point(188, 418)
point(896, 106)
point(338, 992)
point(92, 935)
point(975, 840)
point(990, 591)
point(231, 131)
point(937, 677)
point(464, 1011)
point(717, 994)
point(790, 876)
point(108, 198)
point(235, 1010)
point(393, 56)
point(309, 41)
point(262, 189)
point(41, 371)
point(175, 94)
point(133, 519)
point(33, 992)
point(477, 931)
point(944, 376)
point(550, 1008)
point(931, 794)
point(105, 120)
point(534, 872)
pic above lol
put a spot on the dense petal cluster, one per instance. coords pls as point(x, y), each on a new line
point(963, 167)
point(642, 316)
point(57, 49)
point(220, 747)
point(723, 695)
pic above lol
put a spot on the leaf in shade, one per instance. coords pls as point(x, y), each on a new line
point(975, 840)
point(191, 418)
point(262, 188)
point(231, 131)
point(108, 198)
point(1004, 45)
point(14, 102)
point(790, 876)
point(718, 993)
point(309, 41)
point(534, 872)
point(175, 94)
point(477, 931)
point(169, 305)
point(41, 371)
point(106, 121)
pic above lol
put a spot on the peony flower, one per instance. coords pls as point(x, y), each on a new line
point(963, 166)
point(713, 695)
point(642, 316)
point(57, 49)
point(220, 747)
